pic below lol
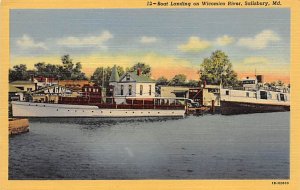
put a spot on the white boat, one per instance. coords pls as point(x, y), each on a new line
point(32, 109)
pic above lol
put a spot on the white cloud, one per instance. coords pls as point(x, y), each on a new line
point(96, 41)
point(259, 41)
point(224, 40)
point(148, 39)
point(195, 44)
point(26, 42)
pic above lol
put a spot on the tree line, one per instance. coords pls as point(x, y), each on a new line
point(216, 69)
point(68, 70)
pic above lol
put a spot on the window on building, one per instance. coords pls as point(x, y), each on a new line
point(122, 89)
point(282, 98)
point(227, 92)
point(141, 89)
point(150, 90)
point(263, 95)
point(247, 94)
point(127, 77)
point(130, 90)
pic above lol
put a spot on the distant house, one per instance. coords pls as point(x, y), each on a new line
point(131, 84)
point(15, 94)
point(50, 94)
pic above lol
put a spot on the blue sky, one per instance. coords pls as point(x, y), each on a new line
point(253, 38)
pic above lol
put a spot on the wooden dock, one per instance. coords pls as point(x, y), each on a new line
point(198, 111)
point(18, 126)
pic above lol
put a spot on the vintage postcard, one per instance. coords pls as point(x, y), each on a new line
point(149, 94)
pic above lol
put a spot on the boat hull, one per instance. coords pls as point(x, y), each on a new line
point(234, 108)
point(29, 109)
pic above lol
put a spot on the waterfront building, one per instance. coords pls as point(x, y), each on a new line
point(25, 85)
point(211, 94)
point(50, 94)
point(15, 94)
point(131, 85)
point(174, 91)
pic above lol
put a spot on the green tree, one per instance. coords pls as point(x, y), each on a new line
point(46, 70)
point(218, 69)
point(69, 70)
point(146, 69)
point(104, 73)
point(279, 83)
point(19, 72)
point(162, 81)
point(193, 83)
point(178, 80)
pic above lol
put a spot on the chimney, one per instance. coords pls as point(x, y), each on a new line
point(139, 71)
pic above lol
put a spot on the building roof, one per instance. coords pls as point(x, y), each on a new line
point(114, 77)
point(138, 78)
point(14, 89)
point(22, 82)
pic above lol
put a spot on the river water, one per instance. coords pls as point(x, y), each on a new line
point(253, 146)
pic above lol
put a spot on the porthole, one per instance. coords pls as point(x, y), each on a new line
point(44, 106)
point(125, 112)
point(68, 110)
point(56, 109)
point(110, 112)
point(133, 112)
point(148, 112)
point(92, 111)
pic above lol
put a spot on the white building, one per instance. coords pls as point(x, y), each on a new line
point(50, 93)
point(131, 85)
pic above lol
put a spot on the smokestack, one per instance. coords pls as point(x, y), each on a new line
point(260, 78)
point(139, 71)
